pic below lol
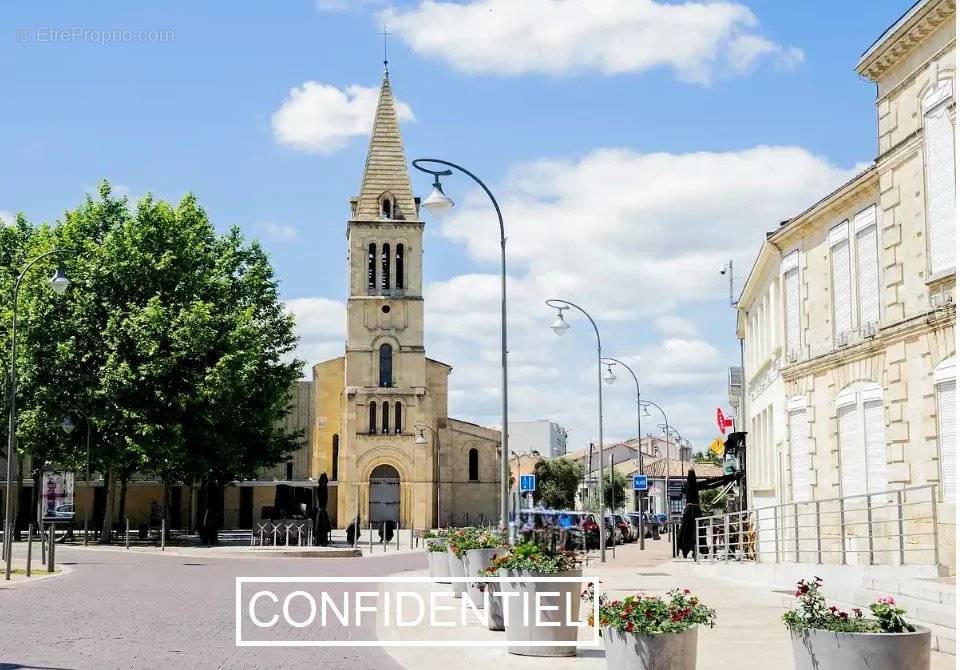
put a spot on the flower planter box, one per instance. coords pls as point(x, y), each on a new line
point(439, 565)
point(457, 569)
point(495, 612)
point(639, 651)
point(519, 631)
point(476, 560)
point(826, 650)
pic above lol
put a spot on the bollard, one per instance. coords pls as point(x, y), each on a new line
point(126, 534)
point(51, 549)
point(29, 547)
point(383, 534)
point(370, 538)
point(398, 536)
point(43, 544)
point(86, 524)
point(163, 534)
point(411, 539)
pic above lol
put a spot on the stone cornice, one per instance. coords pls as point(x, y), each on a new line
point(903, 36)
point(926, 322)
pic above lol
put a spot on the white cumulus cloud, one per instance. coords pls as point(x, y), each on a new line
point(557, 37)
point(278, 232)
point(321, 326)
point(322, 118)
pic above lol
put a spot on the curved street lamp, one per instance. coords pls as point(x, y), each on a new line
point(560, 326)
point(438, 203)
point(421, 441)
point(666, 470)
point(59, 283)
point(610, 378)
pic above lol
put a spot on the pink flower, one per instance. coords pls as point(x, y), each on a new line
point(887, 600)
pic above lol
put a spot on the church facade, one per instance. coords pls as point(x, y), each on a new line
point(380, 426)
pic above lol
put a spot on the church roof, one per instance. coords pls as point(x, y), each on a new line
point(386, 166)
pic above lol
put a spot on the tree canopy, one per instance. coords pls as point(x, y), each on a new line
point(557, 482)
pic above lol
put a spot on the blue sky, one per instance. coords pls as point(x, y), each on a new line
point(195, 110)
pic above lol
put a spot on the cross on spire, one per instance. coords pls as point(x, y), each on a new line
point(385, 36)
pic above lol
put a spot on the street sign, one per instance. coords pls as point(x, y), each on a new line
point(528, 483)
point(639, 482)
point(723, 422)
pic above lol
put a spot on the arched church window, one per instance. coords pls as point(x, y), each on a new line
point(372, 266)
point(385, 267)
point(289, 468)
point(386, 207)
point(386, 417)
point(473, 465)
point(398, 417)
point(399, 279)
point(335, 458)
point(386, 365)
point(372, 416)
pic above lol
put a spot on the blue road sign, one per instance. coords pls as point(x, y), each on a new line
point(528, 483)
point(639, 482)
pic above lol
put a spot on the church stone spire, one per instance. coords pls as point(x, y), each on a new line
point(385, 172)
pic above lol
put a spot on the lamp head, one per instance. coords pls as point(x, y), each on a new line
point(59, 281)
point(437, 203)
point(560, 326)
point(67, 425)
point(609, 377)
point(420, 439)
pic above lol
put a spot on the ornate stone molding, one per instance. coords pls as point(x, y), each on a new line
point(887, 51)
point(765, 377)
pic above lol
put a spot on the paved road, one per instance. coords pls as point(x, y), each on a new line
point(142, 610)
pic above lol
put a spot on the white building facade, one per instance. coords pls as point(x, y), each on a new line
point(547, 438)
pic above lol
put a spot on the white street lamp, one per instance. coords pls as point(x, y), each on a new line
point(560, 326)
point(610, 377)
point(67, 425)
point(420, 439)
point(59, 281)
point(438, 203)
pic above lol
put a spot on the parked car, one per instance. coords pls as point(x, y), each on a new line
point(629, 531)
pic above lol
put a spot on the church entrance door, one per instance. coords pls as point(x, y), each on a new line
point(384, 494)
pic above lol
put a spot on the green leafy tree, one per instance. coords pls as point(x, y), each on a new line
point(557, 482)
point(171, 343)
point(614, 492)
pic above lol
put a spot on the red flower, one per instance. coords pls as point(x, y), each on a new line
point(686, 591)
point(629, 626)
point(648, 614)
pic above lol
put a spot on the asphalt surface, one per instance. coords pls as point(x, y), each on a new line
point(150, 610)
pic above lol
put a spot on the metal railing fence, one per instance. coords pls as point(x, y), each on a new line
point(896, 527)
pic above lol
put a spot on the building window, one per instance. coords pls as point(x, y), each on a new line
point(335, 459)
point(840, 268)
point(798, 431)
point(386, 365)
point(386, 417)
point(791, 305)
point(372, 266)
point(940, 167)
point(473, 465)
point(289, 469)
point(399, 278)
point(945, 378)
point(862, 439)
point(386, 207)
point(372, 417)
point(398, 417)
point(868, 266)
point(385, 267)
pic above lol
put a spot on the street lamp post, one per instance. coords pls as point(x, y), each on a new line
point(59, 283)
point(421, 440)
point(438, 203)
point(560, 326)
point(610, 378)
point(666, 470)
point(68, 427)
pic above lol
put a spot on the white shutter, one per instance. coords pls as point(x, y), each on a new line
point(875, 444)
point(947, 428)
point(791, 301)
point(842, 315)
point(853, 471)
point(941, 183)
point(799, 455)
point(868, 275)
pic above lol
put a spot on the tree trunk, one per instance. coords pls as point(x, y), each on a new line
point(123, 496)
point(109, 483)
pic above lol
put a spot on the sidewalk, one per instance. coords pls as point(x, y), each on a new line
point(749, 632)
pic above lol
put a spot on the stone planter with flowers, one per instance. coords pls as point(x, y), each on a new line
point(651, 632)
point(827, 638)
point(436, 542)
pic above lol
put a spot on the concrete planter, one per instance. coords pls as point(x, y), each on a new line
point(519, 631)
point(495, 612)
point(825, 650)
point(476, 560)
point(665, 651)
point(439, 565)
point(457, 569)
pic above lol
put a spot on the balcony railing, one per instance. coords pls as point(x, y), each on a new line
point(897, 527)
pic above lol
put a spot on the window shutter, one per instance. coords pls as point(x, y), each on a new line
point(799, 455)
point(842, 317)
point(791, 299)
point(947, 428)
point(875, 443)
point(941, 183)
point(868, 275)
point(853, 472)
